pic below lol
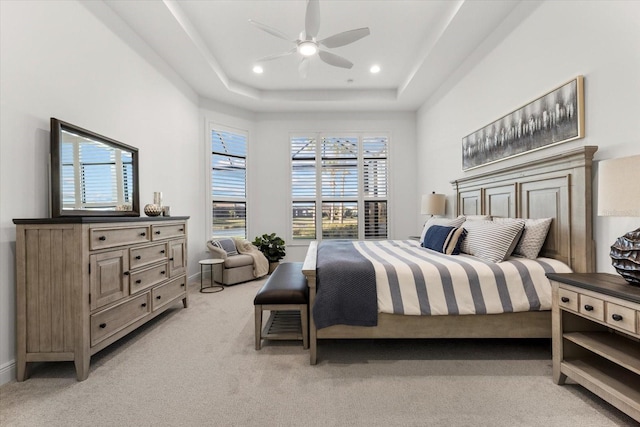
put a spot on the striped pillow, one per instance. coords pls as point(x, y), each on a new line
point(227, 245)
point(449, 222)
point(533, 236)
point(444, 239)
point(491, 241)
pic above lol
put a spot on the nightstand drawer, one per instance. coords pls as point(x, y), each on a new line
point(621, 317)
point(568, 299)
point(592, 307)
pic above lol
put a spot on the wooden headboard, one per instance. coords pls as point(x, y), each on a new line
point(558, 187)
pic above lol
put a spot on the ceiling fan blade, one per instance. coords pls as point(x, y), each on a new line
point(277, 55)
point(345, 38)
point(279, 34)
point(303, 68)
point(312, 18)
point(335, 60)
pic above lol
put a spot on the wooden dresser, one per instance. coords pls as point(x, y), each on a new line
point(84, 282)
point(596, 336)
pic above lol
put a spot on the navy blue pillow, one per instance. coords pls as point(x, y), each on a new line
point(444, 239)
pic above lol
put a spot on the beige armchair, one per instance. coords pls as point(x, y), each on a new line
point(237, 267)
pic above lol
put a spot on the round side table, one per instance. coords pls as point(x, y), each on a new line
point(213, 287)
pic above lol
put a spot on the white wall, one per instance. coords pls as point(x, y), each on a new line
point(59, 60)
point(559, 41)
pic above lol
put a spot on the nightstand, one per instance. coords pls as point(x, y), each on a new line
point(596, 336)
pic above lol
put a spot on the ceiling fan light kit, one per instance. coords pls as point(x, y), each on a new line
point(307, 45)
point(307, 48)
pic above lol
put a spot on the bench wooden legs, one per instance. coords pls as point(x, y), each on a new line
point(285, 323)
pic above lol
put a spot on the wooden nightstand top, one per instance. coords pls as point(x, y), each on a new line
point(605, 283)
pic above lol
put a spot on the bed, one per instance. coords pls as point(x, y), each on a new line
point(556, 186)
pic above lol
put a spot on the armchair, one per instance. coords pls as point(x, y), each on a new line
point(239, 266)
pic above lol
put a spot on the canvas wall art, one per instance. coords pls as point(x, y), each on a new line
point(553, 118)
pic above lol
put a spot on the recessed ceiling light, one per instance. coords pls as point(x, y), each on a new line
point(258, 69)
point(375, 69)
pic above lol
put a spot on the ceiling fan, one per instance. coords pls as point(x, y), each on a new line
point(307, 45)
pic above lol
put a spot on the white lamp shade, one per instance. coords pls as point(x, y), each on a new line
point(619, 187)
point(433, 204)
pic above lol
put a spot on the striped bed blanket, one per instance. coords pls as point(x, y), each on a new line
point(412, 280)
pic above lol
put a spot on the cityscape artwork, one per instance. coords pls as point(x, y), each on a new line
point(556, 117)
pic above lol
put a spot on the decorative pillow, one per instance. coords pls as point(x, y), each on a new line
point(449, 222)
point(478, 217)
point(491, 241)
point(226, 244)
point(533, 236)
point(444, 239)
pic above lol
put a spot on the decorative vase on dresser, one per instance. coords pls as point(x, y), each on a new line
point(82, 283)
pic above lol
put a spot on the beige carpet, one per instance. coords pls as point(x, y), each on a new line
point(198, 366)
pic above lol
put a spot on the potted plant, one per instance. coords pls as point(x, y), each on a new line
point(272, 247)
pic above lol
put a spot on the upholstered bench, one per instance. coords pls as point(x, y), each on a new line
point(285, 294)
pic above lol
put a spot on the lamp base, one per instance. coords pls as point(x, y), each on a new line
point(625, 257)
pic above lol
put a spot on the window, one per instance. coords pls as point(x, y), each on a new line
point(90, 178)
point(339, 186)
point(228, 183)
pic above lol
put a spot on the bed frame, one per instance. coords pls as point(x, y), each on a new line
point(557, 186)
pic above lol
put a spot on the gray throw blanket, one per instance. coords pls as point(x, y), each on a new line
point(345, 286)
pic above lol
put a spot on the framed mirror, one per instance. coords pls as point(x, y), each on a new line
point(91, 175)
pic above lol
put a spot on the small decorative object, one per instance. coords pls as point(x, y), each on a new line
point(152, 209)
point(157, 198)
point(619, 195)
point(555, 117)
point(166, 211)
point(625, 257)
point(272, 247)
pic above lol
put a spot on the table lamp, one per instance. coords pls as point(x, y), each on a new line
point(433, 204)
point(619, 195)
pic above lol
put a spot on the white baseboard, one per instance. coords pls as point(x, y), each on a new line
point(8, 372)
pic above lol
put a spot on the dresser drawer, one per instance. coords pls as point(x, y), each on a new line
point(114, 319)
point(568, 299)
point(168, 292)
point(621, 317)
point(144, 255)
point(592, 307)
point(100, 238)
point(148, 277)
point(167, 231)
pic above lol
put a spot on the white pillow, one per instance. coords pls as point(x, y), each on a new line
point(478, 217)
point(533, 236)
point(449, 222)
point(491, 241)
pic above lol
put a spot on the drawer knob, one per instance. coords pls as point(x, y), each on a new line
point(126, 273)
point(564, 299)
point(616, 317)
point(171, 259)
point(138, 257)
point(159, 297)
point(138, 281)
point(144, 304)
point(180, 229)
point(143, 234)
point(162, 272)
point(103, 325)
point(158, 232)
point(162, 251)
point(103, 238)
point(588, 307)
point(182, 284)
